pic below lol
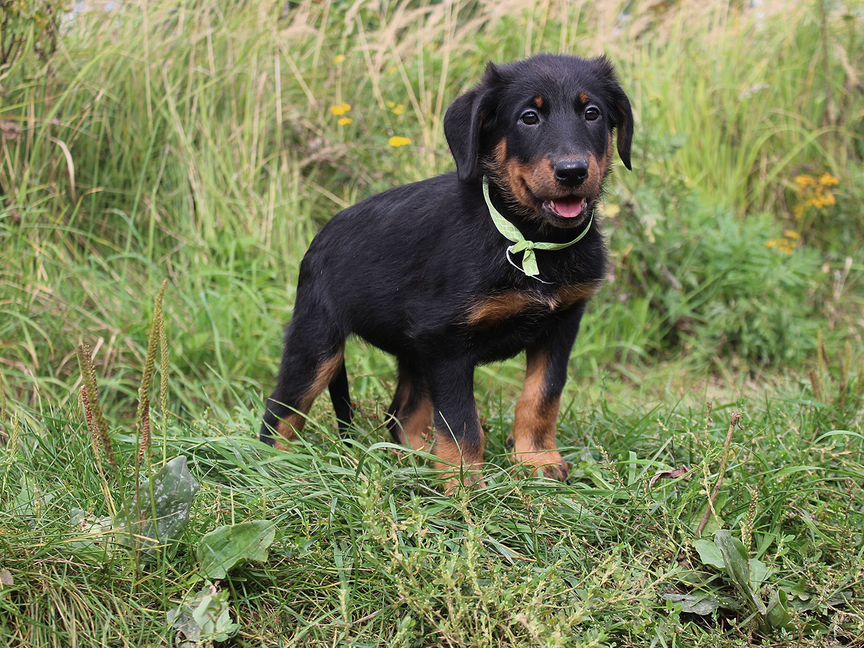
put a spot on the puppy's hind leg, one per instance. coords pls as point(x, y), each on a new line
point(410, 413)
point(341, 399)
point(459, 439)
point(312, 360)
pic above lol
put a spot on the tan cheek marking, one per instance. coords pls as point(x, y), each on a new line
point(610, 152)
point(541, 179)
point(293, 423)
point(499, 169)
point(597, 170)
point(591, 186)
point(522, 180)
point(528, 180)
point(501, 152)
point(538, 101)
point(516, 175)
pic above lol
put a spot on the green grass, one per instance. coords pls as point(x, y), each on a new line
point(367, 547)
point(193, 142)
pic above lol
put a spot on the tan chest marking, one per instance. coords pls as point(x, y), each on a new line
point(512, 303)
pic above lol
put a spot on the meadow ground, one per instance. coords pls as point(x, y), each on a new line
point(205, 142)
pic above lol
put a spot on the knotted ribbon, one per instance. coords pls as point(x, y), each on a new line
point(520, 244)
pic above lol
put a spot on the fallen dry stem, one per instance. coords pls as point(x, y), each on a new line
point(724, 462)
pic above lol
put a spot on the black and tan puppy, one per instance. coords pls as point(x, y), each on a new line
point(424, 272)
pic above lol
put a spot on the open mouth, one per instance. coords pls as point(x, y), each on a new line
point(569, 208)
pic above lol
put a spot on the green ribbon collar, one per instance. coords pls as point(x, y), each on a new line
point(520, 244)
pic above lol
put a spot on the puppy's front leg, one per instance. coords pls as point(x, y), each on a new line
point(535, 432)
point(459, 439)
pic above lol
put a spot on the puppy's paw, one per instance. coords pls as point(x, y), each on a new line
point(545, 463)
point(559, 471)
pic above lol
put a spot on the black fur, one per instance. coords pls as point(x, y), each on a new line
point(404, 269)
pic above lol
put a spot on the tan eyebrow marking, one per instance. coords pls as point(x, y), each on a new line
point(584, 98)
point(538, 101)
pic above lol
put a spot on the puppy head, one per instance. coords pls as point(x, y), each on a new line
point(542, 130)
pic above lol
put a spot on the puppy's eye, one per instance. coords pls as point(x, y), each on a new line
point(529, 117)
point(592, 113)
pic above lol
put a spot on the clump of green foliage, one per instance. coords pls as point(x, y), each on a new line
point(721, 290)
point(28, 27)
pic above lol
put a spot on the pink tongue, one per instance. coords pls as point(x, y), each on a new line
point(568, 208)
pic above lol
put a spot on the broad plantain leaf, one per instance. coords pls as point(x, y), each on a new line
point(709, 553)
point(737, 566)
point(702, 604)
point(778, 613)
point(758, 573)
point(226, 546)
point(165, 501)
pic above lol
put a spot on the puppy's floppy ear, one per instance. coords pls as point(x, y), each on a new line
point(464, 122)
point(624, 124)
point(622, 112)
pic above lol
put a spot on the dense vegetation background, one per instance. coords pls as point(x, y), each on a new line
point(204, 142)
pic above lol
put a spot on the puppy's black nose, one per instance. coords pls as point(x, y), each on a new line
point(571, 172)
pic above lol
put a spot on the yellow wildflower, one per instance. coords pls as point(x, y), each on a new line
point(822, 200)
point(781, 245)
point(397, 109)
point(792, 234)
point(828, 180)
point(340, 109)
point(398, 141)
point(805, 181)
point(339, 59)
point(345, 121)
